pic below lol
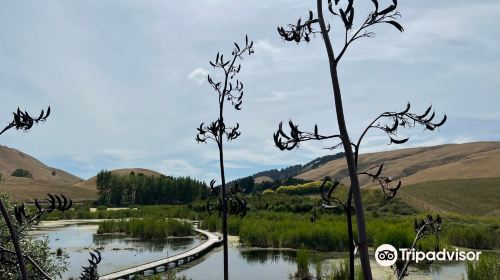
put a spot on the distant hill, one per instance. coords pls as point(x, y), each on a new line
point(456, 178)
point(416, 165)
point(45, 179)
point(91, 183)
point(294, 170)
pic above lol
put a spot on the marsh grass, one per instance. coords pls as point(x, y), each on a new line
point(328, 233)
point(147, 228)
point(487, 268)
point(340, 271)
point(471, 236)
point(153, 211)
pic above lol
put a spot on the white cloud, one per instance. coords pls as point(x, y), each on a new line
point(177, 167)
point(199, 75)
point(265, 46)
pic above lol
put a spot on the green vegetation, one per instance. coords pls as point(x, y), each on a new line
point(22, 173)
point(140, 189)
point(275, 184)
point(153, 211)
point(301, 189)
point(487, 268)
point(475, 197)
point(268, 191)
point(328, 233)
point(476, 237)
point(281, 203)
point(53, 262)
point(147, 228)
point(250, 187)
point(340, 271)
point(302, 259)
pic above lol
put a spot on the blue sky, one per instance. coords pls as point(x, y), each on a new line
point(126, 80)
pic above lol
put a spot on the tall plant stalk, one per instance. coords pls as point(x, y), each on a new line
point(346, 143)
point(228, 90)
point(303, 31)
point(15, 241)
point(21, 121)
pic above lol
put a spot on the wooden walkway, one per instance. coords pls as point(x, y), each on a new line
point(170, 262)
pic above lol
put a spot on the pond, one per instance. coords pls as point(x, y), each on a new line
point(251, 264)
point(119, 252)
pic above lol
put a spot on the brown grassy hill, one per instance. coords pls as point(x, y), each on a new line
point(455, 178)
point(417, 165)
point(45, 179)
point(473, 197)
point(91, 183)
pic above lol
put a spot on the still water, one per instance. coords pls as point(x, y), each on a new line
point(252, 264)
point(119, 252)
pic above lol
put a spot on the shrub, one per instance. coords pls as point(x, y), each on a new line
point(307, 188)
point(22, 173)
point(268, 191)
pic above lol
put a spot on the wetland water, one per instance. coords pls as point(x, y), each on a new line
point(119, 252)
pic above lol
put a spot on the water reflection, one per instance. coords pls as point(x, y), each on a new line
point(245, 264)
point(123, 242)
point(121, 252)
point(267, 256)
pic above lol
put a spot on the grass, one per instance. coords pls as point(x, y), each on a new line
point(471, 236)
point(475, 197)
point(487, 268)
point(147, 228)
point(340, 271)
point(302, 260)
point(155, 211)
point(328, 233)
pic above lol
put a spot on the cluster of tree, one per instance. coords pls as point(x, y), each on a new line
point(294, 170)
point(132, 189)
point(279, 174)
point(22, 173)
point(322, 160)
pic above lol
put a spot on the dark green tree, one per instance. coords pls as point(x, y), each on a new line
point(103, 181)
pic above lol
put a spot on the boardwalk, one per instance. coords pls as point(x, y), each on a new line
point(170, 262)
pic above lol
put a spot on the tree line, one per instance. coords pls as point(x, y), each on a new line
point(139, 189)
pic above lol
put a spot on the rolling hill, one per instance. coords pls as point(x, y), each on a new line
point(457, 178)
point(416, 165)
point(45, 179)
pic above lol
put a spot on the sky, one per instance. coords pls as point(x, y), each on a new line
point(126, 80)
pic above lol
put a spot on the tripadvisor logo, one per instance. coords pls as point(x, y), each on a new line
point(387, 255)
